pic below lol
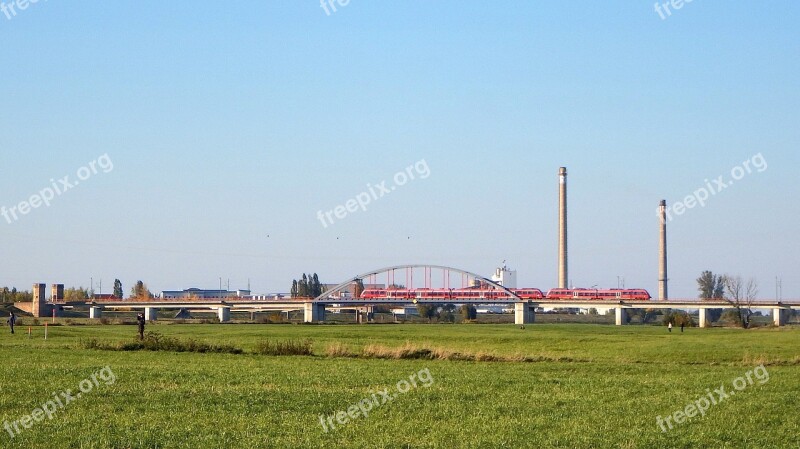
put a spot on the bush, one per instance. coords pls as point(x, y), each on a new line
point(94, 343)
point(285, 347)
point(339, 350)
point(468, 312)
point(677, 318)
point(154, 341)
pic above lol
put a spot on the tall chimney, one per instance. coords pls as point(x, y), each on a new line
point(662, 251)
point(563, 277)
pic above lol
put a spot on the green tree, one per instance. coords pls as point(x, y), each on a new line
point(308, 286)
point(316, 286)
point(76, 294)
point(677, 318)
point(447, 313)
point(711, 287)
point(13, 295)
point(428, 311)
point(118, 289)
point(643, 315)
point(469, 312)
point(302, 286)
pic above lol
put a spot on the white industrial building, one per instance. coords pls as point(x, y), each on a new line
point(505, 277)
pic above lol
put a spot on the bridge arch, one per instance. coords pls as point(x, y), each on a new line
point(325, 295)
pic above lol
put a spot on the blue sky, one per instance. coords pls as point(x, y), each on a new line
point(230, 125)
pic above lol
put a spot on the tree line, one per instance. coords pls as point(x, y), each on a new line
point(308, 286)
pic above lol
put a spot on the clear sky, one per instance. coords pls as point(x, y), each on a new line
point(229, 125)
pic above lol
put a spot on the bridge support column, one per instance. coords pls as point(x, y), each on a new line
point(779, 316)
point(621, 316)
point(224, 314)
point(314, 312)
point(703, 317)
point(523, 313)
point(95, 312)
point(150, 313)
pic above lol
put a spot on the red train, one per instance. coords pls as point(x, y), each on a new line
point(633, 294)
point(460, 293)
point(494, 294)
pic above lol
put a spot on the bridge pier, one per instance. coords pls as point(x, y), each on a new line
point(779, 316)
point(95, 312)
point(703, 317)
point(224, 314)
point(524, 313)
point(621, 316)
point(314, 312)
point(150, 313)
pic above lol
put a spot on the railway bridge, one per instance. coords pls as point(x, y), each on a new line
point(455, 286)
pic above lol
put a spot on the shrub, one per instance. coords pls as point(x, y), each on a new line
point(339, 350)
point(285, 347)
point(677, 318)
point(154, 341)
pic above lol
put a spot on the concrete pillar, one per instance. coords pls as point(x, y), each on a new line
point(523, 313)
point(778, 316)
point(150, 313)
point(703, 317)
point(95, 312)
point(314, 312)
point(622, 316)
point(224, 314)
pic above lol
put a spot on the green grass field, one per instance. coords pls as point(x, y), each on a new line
point(596, 386)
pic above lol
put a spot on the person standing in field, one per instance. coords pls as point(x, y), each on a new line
point(682, 324)
point(140, 321)
point(12, 319)
point(669, 326)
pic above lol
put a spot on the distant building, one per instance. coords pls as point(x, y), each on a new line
point(406, 310)
point(267, 297)
point(505, 277)
point(198, 293)
point(493, 309)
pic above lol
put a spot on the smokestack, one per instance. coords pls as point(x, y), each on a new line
point(563, 277)
point(662, 251)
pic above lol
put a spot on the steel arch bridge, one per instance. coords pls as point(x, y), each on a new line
point(329, 295)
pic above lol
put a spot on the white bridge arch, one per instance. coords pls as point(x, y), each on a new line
point(327, 294)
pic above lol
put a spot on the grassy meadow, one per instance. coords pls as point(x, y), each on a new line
point(548, 385)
